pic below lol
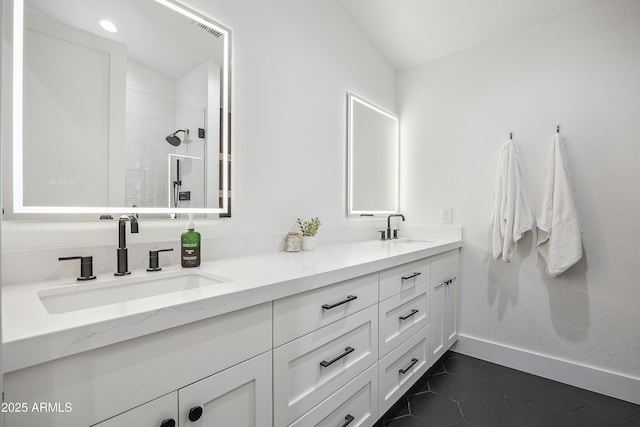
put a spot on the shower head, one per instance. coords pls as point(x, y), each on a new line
point(175, 140)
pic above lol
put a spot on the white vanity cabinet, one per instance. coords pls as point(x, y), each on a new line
point(337, 355)
point(111, 380)
point(444, 302)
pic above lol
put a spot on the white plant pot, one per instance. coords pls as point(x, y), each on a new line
point(309, 243)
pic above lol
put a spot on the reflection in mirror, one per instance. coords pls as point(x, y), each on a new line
point(373, 151)
point(125, 108)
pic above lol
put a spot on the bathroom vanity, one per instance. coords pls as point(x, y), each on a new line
point(331, 337)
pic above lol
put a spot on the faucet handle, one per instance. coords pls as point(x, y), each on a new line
point(382, 234)
point(395, 233)
point(154, 259)
point(86, 266)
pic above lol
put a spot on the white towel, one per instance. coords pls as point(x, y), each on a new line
point(559, 231)
point(511, 216)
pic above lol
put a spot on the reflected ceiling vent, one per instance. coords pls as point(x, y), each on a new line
point(209, 30)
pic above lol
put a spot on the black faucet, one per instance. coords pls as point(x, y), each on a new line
point(123, 262)
point(389, 225)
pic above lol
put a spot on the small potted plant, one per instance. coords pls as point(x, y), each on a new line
point(309, 229)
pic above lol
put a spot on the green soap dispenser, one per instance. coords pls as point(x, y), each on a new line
point(190, 240)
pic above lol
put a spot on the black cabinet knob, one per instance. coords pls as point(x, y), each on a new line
point(169, 422)
point(195, 413)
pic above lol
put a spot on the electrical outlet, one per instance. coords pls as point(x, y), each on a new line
point(447, 215)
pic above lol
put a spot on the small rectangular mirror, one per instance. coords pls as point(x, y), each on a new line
point(373, 159)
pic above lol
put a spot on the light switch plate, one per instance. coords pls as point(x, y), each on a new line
point(447, 215)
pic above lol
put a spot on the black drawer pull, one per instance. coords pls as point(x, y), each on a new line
point(405, 370)
point(344, 301)
point(347, 350)
point(412, 276)
point(414, 311)
point(347, 420)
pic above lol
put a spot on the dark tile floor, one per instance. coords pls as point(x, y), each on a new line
point(463, 391)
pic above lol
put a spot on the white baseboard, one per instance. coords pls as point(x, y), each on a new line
point(605, 382)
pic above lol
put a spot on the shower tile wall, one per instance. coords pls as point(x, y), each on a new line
point(151, 116)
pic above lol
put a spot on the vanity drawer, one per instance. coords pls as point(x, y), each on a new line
point(403, 315)
point(400, 369)
point(357, 401)
point(445, 263)
point(308, 370)
point(398, 279)
point(300, 314)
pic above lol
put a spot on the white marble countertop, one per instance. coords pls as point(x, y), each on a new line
point(32, 335)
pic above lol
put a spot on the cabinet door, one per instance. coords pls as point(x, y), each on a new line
point(239, 396)
point(444, 315)
point(437, 343)
point(161, 412)
point(450, 320)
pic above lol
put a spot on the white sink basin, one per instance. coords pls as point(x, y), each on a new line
point(414, 241)
point(67, 298)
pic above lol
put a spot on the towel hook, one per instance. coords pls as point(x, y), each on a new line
point(511, 136)
point(558, 129)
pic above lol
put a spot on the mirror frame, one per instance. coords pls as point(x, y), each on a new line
point(17, 123)
point(352, 98)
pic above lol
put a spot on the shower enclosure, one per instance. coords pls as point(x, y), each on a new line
point(166, 153)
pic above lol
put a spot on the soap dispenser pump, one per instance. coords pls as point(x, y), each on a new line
point(190, 245)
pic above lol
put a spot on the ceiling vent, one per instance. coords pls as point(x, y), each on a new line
point(209, 30)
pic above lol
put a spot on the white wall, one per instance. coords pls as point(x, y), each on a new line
point(293, 64)
point(581, 71)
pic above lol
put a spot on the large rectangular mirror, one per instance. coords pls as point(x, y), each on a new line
point(373, 158)
point(119, 106)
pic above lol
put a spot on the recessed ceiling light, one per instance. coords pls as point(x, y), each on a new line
point(108, 26)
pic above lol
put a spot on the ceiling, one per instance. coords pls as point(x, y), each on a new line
point(154, 35)
point(412, 32)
